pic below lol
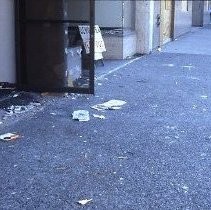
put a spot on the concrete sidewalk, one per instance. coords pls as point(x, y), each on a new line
point(154, 153)
point(197, 42)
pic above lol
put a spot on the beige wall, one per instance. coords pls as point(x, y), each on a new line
point(183, 18)
point(7, 42)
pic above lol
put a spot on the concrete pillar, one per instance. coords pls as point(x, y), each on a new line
point(144, 26)
point(7, 42)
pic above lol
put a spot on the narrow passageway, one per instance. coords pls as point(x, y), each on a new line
point(153, 153)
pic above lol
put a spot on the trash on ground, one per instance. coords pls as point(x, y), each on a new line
point(110, 105)
point(1, 122)
point(194, 106)
point(16, 95)
point(122, 157)
point(16, 109)
point(194, 78)
point(159, 49)
point(81, 115)
point(99, 116)
point(168, 64)
point(54, 94)
point(189, 67)
point(84, 202)
point(9, 136)
point(204, 97)
point(20, 109)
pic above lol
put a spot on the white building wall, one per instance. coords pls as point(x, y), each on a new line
point(7, 42)
point(183, 17)
point(109, 13)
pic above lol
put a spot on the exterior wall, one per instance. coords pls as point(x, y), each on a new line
point(207, 11)
point(197, 10)
point(201, 13)
point(80, 7)
point(144, 23)
point(108, 13)
point(111, 13)
point(7, 42)
point(183, 17)
point(156, 26)
point(129, 14)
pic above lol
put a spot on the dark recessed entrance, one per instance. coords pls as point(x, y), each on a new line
point(51, 54)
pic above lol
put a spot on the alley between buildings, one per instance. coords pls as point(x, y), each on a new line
point(153, 153)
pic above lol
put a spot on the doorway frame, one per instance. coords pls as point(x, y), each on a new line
point(172, 30)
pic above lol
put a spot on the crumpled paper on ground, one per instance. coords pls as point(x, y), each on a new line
point(110, 105)
point(81, 115)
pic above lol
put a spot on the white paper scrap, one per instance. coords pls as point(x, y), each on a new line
point(84, 202)
point(99, 116)
point(110, 105)
point(81, 115)
point(9, 136)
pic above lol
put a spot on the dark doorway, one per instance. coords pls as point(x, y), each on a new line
point(51, 54)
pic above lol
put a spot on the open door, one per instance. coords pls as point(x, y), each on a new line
point(167, 17)
point(51, 54)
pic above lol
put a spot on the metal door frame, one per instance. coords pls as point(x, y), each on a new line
point(21, 53)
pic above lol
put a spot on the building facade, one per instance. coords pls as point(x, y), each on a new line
point(201, 13)
point(128, 28)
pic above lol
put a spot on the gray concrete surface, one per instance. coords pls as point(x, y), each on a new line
point(198, 42)
point(154, 153)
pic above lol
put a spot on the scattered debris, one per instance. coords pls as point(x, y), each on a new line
point(189, 67)
point(54, 94)
point(204, 97)
point(20, 109)
point(35, 104)
point(194, 78)
point(9, 136)
point(159, 49)
point(16, 95)
point(81, 115)
point(99, 116)
point(6, 86)
point(1, 122)
point(16, 109)
point(84, 202)
point(52, 113)
point(154, 106)
point(168, 65)
point(194, 106)
point(185, 188)
point(110, 105)
point(122, 158)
